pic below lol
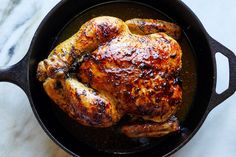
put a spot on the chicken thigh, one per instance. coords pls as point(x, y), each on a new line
point(111, 68)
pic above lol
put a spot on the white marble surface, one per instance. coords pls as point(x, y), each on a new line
point(20, 133)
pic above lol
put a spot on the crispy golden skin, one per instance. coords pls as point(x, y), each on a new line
point(138, 72)
point(151, 129)
point(127, 69)
point(150, 26)
point(82, 103)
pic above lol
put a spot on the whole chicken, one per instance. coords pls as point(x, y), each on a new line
point(111, 68)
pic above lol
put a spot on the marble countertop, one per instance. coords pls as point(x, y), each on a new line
point(20, 133)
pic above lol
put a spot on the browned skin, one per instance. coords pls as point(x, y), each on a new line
point(82, 103)
point(150, 129)
point(149, 26)
point(121, 73)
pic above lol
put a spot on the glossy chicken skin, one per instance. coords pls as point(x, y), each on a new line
point(107, 70)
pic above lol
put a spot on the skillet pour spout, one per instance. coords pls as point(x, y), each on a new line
point(83, 141)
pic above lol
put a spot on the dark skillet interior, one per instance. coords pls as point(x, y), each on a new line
point(86, 141)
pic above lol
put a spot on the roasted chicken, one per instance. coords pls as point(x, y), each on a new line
point(111, 68)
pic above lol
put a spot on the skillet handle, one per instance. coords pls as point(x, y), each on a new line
point(17, 73)
point(216, 98)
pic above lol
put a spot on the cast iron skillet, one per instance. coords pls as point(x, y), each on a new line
point(82, 141)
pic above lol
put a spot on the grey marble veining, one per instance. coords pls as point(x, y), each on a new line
point(20, 133)
point(19, 20)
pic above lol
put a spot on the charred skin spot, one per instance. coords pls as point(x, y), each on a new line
point(146, 109)
point(84, 92)
point(160, 29)
point(86, 57)
point(78, 96)
point(157, 99)
point(74, 67)
point(137, 90)
point(151, 93)
point(73, 53)
point(173, 56)
point(144, 66)
point(90, 76)
point(101, 105)
point(127, 93)
point(58, 85)
point(142, 25)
